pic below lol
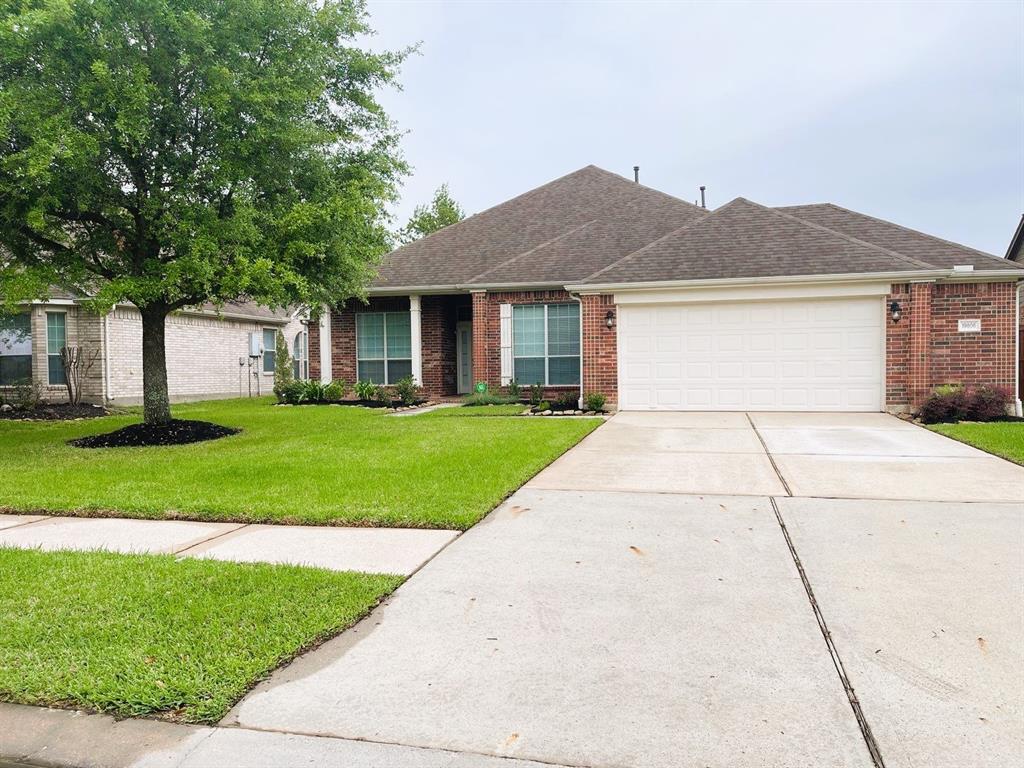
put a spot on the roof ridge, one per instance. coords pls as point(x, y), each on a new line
point(910, 229)
point(556, 238)
point(805, 222)
point(638, 251)
point(499, 205)
point(649, 189)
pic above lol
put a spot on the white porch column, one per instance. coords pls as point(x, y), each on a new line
point(416, 334)
point(325, 346)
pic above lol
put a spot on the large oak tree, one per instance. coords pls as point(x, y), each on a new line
point(174, 152)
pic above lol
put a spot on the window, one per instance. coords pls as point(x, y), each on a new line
point(383, 346)
point(15, 349)
point(300, 356)
point(546, 344)
point(269, 350)
point(56, 340)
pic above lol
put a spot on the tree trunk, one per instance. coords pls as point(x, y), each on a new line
point(156, 404)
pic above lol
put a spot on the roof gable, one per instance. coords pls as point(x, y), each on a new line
point(481, 243)
point(743, 239)
point(934, 251)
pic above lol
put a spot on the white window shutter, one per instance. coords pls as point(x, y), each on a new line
point(505, 315)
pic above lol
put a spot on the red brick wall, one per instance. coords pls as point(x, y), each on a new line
point(925, 349)
point(487, 332)
point(973, 358)
point(600, 355)
point(438, 315)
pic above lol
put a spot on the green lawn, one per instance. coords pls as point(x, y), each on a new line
point(143, 634)
point(1003, 438)
point(312, 465)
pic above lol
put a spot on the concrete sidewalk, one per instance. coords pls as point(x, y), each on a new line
point(370, 550)
point(53, 737)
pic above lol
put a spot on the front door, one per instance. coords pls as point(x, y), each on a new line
point(464, 357)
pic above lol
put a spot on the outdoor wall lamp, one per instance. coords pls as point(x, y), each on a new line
point(609, 319)
point(895, 311)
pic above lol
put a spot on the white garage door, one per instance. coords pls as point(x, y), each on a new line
point(803, 355)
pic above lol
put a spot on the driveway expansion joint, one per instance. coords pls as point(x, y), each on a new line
point(771, 458)
point(851, 694)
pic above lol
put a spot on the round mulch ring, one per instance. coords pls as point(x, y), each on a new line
point(175, 432)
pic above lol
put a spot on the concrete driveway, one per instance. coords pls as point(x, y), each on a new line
point(661, 596)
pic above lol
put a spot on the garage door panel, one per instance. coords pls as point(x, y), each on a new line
point(805, 355)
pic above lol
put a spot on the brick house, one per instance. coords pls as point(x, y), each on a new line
point(204, 347)
point(593, 282)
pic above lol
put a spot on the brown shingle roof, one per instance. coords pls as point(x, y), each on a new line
point(743, 239)
point(931, 250)
point(562, 210)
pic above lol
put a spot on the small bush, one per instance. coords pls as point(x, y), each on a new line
point(594, 401)
point(407, 391)
point(988, 404)
point(487, 398)
point(567, 401)
point(26, 394)
point(283, 376)
point(536, 395)
point(946, 404)
point(543, 405)
point(335, 391)
point(314, 391)
point(292, 393)
point(514, 391)
point(365, 390)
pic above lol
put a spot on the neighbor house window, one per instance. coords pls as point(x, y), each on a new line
point(269, 350)
point(15, 349)
point(56, 340)
point(300, 355)
point(546, 344)
point(383, 346)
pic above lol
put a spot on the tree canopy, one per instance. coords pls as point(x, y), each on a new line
point(174, 152)
point(439, 213)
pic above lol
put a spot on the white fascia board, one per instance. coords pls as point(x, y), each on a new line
point(755, 293)
point(861, 277)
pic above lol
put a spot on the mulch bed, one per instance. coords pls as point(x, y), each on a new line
point(54, 412)
point(175, 432)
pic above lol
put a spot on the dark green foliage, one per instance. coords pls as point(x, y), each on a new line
point(441, 212)
point(536, 395)
point(566, 401)
point(176, 152)
point(594, 401)
point(283, 375)
point(513, 390)
point(406, 391)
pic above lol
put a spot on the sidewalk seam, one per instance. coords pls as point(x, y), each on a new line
point(207, 540)
point(837, 661)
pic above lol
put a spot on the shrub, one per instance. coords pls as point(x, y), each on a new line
point(335, 391)
point(282, 366)
point(567, 401)
point(26, 394)
point(407, 391)
point(947, 403)
point(536, 395)
point(543, 405)
point(988, 404)
point(486, 398)
point(365, 390)
point(382, 394)
point(313, 391)
point(594, 401)
point(513, 391)
point(293, 393)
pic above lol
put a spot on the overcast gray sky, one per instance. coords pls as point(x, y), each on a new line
point(913, 112)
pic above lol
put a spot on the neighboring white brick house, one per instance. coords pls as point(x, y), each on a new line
point(204, 348)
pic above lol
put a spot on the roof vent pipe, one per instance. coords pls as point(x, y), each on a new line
point(636, 173)
point(702, 203)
